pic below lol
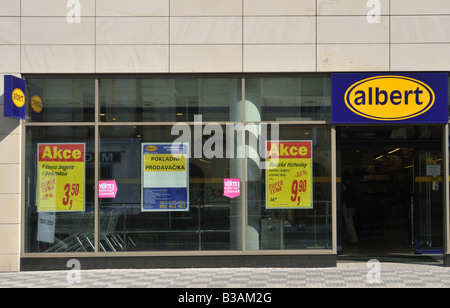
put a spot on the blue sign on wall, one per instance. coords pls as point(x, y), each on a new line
point(367, 98)
point(14, 97)
point(165, 177)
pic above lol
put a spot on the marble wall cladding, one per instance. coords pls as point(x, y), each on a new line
point(10, 59)
point(10, 192)
point(205, 30)
point(60, 8)
point(279, 7)
point(350, 7)
point(9, 30)
point(9, 215)
point(279, 58)
point(132, 30)
point(419, 7)
point(10, 165)
point(132, 58)
point(163, 35)
point(420, 57)
point(59, 59)
point(351, 30)
point(206, 7)
point(205, 58)
point(279, 30)
point(420, 29)
point(117, 8)
point(352, 57)
point(57, 31)
point(10, 8)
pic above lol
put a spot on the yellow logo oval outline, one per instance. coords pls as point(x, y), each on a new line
point(18, 102)
point(36, 104)
point(374, 117)
point(151, 148)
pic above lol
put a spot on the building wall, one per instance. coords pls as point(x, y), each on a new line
point(204, 36)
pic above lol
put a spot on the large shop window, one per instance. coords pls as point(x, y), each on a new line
point(164, 204)
point(61, 99)
point(171, 146)
point(288, 99)
point(59, 189)
point(289, 193)
point(169, 99)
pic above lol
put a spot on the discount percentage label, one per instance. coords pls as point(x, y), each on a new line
point(289, 176)
point(61, 177)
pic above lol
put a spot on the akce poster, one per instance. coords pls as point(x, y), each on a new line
point(289, 175)
point(165, 177)
point(61, 177)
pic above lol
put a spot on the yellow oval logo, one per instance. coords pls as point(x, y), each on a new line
point(36, 104)
point(18, 98)
point(389, 98)
point(151, 148)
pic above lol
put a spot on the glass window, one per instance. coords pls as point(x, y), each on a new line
point(168, 99)
point(273, 223)
point(288, 99)
point(59, 189)
point(61, 99)
point(211, 221)
point(148, 213)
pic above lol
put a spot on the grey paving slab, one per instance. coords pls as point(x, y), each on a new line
point(346, 274)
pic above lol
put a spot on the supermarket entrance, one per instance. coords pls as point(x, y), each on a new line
point(390, 190)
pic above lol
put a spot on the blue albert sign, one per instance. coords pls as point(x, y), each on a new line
point(14, 97)
point(368, 98)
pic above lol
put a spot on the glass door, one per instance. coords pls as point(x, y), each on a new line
point(428, 203)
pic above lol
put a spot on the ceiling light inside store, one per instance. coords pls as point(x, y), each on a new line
point(393, 151)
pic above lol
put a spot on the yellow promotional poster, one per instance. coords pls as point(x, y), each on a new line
point(289, 175)
point(61, 177)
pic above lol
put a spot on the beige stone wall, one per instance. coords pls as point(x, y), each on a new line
point(182, 36)
point(206, 36)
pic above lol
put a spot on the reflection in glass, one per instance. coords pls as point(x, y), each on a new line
point(213, 221)
point(168, 99)
point(289, 99)
point(278, 229)
point(60, 99)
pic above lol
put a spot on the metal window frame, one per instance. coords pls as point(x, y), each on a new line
point(97, 124)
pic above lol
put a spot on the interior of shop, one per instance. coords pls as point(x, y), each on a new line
point(379, 188)
point(391, 191)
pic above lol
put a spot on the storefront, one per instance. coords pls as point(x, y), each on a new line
point(392, 143)
point(171, 209)
point(169, 171)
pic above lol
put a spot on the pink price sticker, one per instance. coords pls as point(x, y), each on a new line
point(231, 188)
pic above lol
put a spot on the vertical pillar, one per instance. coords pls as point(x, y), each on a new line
point(334, 167)
point(10, 189)
point(446, 194)
point(253, 176)
point(236, 133)
point(246, 112)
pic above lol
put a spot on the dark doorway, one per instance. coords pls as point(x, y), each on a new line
point(379, 187)
point(390, 190)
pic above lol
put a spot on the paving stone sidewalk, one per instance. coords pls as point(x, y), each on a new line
point(345, 275)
